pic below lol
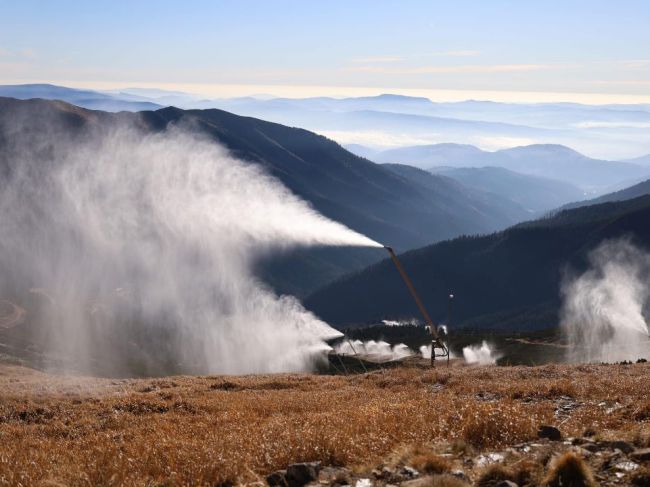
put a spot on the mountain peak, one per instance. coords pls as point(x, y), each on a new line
point(544, 148)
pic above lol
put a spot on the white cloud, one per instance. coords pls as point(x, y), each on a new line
point(379, 139)
point(493, 143)
point(636, 63)
point(376, 59)
point(459, 53)
point(469, 68)
point(594, 124)
point(24, 53)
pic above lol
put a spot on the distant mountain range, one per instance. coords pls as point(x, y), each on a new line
point(405, 211)
point(508, 280)
point(550, 161)
point(93, 100)
point(643, 160)
point(614, 132)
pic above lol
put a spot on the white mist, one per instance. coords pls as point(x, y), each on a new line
point(604, 310)
point(145, 244)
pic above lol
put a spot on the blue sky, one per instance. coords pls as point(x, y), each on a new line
point(574, 50)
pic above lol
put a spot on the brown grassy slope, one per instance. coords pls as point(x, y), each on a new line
point(208, 430)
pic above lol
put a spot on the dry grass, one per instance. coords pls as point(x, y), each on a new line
point(447, 481)
point(216, 430)
point(430, 463)
point(569, 470)
point(523, 472)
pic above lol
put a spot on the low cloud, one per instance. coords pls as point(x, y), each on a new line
point(24, 53)
point(376, 59)
point(469, 68)
point(595, 124)
point(459, 53)
point(379, 139)
point(493, 143)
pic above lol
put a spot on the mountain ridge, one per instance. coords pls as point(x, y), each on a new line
point(555, 161)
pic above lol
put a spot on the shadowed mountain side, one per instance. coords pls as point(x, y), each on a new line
point(363, 195)
point(450, 190)
point(507, 279)
point(536, 194)
point(635, 191)
point(431, 156)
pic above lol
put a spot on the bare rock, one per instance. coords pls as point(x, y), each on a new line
point(409, 472)
point(592, 447)
point(623, 446)
point(550, 432)
point(642, 455)
point(459, 474)
point(581, 441)
point(300, 474)
point(335, 476)
point(277, 479)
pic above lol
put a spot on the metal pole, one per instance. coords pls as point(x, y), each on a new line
point(435, 339)
point(449, 311)
point(409, 284)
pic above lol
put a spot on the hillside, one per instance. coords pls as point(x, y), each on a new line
point(448, 188)
point(509, 279)
point(352, 190)
point(550, 161)
point(635, 191)
point(535, 194)
point(429, 156)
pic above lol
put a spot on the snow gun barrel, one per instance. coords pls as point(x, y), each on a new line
point(416, 297)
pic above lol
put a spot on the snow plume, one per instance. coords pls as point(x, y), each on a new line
point(425, 352)
point(145, 244)
point(374, 351)
point(481, 355)
point(604, 310)
point(412, 322)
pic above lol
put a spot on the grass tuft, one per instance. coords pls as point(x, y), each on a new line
point(447, 481)
point(430, 463)
point(569, 470)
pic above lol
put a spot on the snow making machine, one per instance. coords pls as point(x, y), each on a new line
point(438, 348)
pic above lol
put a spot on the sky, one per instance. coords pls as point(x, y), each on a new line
point(588, 51)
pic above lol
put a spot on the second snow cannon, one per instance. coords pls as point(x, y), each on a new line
point(438, 347)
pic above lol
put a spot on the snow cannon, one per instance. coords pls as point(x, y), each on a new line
point(438, 347)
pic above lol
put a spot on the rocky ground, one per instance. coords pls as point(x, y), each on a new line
point(412, 426)
point(605, 463)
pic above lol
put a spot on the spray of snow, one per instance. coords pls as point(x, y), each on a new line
point(400, 323)
point(375, 351)
point(425, 352)
point(483, 354)
point(145, 245)
point(604, 309)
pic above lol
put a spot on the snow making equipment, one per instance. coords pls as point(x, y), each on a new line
point(438, 347)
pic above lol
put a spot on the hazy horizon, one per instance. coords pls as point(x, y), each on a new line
point(590, 52)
